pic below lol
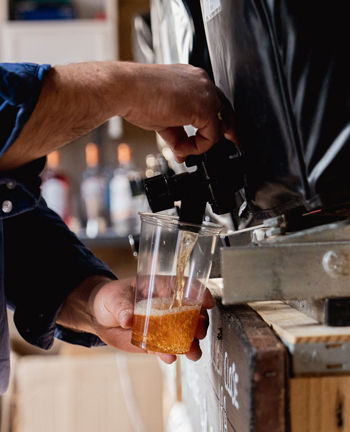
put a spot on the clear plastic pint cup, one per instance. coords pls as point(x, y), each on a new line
point(174, 264)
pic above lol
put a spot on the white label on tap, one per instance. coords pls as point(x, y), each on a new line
point(211, 8)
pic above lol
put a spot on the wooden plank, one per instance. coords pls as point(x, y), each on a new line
point(320, 404)
point(295, 327)
point(240, 382)
point(331, 311)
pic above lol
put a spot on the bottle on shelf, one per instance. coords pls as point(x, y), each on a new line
point(151, 166)
point(94, 193)
point(157, 164)
point(127, 197)
point(55, 187)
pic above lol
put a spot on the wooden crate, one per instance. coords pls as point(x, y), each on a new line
point(240, 383)
point(246, 379)
point(319, 402)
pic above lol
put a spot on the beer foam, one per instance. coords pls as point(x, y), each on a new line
point(160, 307)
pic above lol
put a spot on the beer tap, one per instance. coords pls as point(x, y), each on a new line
point(218, 176)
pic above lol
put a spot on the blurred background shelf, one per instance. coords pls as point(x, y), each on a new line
point(62, 41)
point(108, 239)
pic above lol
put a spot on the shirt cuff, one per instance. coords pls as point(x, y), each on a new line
point(20, 189)
point(87, 340)
point(37, 324)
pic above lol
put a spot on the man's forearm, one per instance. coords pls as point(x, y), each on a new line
point(74, 100)
point(79, 97)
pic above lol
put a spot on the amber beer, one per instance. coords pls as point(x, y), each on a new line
point(163, 329)
point(174, 264)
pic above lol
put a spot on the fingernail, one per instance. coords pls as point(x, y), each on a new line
point(123, 316)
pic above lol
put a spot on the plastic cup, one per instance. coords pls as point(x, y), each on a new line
point(174, 264)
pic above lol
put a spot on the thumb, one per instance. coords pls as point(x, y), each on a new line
point(126, 318)
point(113, 305)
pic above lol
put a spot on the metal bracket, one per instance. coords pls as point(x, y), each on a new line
point(319, 357)
point(284, 272)
point(312, 264)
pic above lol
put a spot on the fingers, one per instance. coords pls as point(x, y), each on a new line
point(226, 115)
point(182, 145)
point(202, 325)
point(179, 142)
point(166, 358)
point(208, 300)
point(230, 133)
point(195, 352)
point(119, 338)
point(203, 320)
point(212, 120)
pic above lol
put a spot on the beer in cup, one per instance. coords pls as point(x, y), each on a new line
point(174, 264)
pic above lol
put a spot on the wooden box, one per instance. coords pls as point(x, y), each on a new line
point(240, 383)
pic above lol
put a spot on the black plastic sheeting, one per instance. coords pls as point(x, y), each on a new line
point(284, 66)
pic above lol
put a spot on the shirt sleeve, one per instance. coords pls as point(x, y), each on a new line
point(20, 87)
point(20, 188)
point(44, 262)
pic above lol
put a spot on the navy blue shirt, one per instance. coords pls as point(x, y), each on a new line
point(41, 260)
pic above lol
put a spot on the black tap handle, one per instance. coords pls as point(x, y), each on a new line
point(193, 209)
point(219, 175)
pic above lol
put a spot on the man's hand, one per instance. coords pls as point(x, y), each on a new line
point(105, 308)
point(168, 97)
